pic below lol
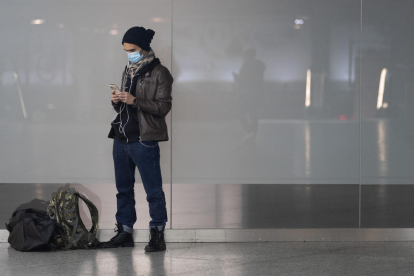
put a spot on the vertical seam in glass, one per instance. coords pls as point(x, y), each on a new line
point(360, 119)
point(171, 117)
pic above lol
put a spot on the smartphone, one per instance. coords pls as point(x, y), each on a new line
point(114, 87)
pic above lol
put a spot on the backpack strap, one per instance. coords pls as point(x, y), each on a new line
point(72, 237)
point(94, 216)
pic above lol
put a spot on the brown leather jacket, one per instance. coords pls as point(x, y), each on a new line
point(153, 93)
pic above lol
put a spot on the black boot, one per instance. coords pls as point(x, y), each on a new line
point(121, 239)
point(157, 242)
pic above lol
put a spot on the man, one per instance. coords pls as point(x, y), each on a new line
point(142, 103)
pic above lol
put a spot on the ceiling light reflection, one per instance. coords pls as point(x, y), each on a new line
point(37, 21)
point(381, 88)
point(158, 19)
point(308, 88)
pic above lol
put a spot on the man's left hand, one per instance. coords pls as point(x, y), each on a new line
point(126, 97)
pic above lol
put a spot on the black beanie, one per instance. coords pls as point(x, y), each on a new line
point(139, 36)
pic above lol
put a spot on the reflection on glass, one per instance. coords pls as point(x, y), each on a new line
point(381, 88)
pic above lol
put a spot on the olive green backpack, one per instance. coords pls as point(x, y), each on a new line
point(64, 208)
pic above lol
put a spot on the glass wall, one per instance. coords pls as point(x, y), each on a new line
point(57, 61)
point(387, 85)
point(286, 114)
point(264, 103)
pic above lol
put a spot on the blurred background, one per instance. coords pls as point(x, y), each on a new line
point(286, 113)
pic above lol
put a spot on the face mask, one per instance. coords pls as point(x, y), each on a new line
point(134, 57)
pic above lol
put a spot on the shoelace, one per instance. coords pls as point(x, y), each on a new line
point(116, 229)
point(155, 237)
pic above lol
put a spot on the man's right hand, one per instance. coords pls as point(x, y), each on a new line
point(114, 97)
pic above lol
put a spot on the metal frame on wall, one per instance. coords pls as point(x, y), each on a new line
point(267, 235)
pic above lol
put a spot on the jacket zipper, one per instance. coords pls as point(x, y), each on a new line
point(139, 122)
point(139, 126)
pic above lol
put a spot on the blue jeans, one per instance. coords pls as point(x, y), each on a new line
point(146, 156)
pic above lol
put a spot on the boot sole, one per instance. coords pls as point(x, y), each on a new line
point(156, 250)
point(128, 244)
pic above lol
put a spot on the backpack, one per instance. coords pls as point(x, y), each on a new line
point(64, 208)
point(31, 230)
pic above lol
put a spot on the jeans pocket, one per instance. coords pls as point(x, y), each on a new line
point(149, 144)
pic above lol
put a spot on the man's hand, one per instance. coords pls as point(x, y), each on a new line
point(114, 97)
point(126, 97)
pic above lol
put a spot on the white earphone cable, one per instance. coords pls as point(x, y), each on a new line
point(124, 105)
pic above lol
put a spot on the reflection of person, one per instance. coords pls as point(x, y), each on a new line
point(247, 83)
point(136, 130)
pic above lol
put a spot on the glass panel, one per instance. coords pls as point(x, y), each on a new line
point(57, 59)
point(387, 112)
point(266, 93)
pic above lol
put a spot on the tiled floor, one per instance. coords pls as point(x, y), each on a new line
point(278, 258)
